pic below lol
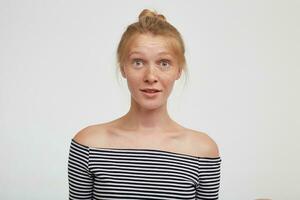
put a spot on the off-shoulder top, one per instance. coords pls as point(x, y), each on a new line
point(115, 173)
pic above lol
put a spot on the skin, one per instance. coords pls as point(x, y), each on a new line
point(150, 63)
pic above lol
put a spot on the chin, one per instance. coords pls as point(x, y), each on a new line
point(150, 105)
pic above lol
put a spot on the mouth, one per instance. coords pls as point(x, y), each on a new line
point(150, 93)
point(148, 90)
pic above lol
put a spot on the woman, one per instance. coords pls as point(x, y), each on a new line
point(145, 154)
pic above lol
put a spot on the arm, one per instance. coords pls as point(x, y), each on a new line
point(209, 168)
point(79, 177)
point(209, 179)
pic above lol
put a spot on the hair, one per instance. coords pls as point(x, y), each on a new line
point(150, 22)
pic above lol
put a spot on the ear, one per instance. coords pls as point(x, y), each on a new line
point(123, 71)
point(179, 73)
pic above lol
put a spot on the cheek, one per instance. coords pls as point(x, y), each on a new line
point(133, 82)
point(168, 85)
point(168, 80)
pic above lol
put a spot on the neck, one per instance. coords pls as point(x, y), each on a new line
point(144, 120)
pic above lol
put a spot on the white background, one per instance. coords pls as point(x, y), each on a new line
point(57, 76)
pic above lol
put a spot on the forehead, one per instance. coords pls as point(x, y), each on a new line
point(146, 42)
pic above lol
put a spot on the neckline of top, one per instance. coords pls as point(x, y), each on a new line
point(146, 149)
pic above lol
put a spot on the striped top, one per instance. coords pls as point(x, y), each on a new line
point(112, 173)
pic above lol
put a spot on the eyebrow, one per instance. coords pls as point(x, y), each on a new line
point(161, 53)
point(134, 52)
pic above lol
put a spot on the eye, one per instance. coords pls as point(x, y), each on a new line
point(165, 64)
point(137, 62)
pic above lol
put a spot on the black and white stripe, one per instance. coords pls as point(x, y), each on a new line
point(111, 173)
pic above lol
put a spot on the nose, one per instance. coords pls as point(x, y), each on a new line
point(150, 75)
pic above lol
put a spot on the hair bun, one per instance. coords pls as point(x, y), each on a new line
point(149, 13)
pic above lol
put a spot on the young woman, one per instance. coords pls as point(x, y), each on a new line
point(145, 154)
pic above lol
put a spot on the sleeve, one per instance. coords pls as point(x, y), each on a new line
point(79, 177)
point(209, 179)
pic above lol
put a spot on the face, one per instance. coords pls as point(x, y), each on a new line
point(150, 63)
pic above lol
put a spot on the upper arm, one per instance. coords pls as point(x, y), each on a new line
point(79, 176)
point(210, 168)
point(212, 148)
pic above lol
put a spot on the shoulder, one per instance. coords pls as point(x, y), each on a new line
point(91, 135)
point(203, 144)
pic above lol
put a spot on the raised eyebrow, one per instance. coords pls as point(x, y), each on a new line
point(169, 60)
point(135, 52)
point(137, 59)
point(165, 53)
point(167, 57)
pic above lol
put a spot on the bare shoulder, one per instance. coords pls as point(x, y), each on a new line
point(91, 136)
point(203, 144)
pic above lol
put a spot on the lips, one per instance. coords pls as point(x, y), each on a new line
point(150, 90)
